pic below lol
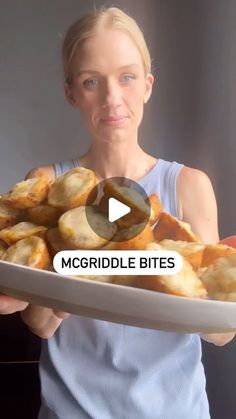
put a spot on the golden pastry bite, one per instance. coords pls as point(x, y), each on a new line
point(99, 278)
point(169, 227)
point(129, 280)
point(54, 241)
point(191, 251)
point(133, 238)
point(185, 283)
point(20, 231)
point(71, 189)
point(28, 193)
point(3, 248)
point(43, 214)
point(31, 251)
point(140, 211)
point(8, 215)
point(153, 246)
point(156, 208)
point(76, 231)
point(220, 278)
point(215, 251)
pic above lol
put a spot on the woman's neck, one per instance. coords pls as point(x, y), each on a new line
point(121, 160)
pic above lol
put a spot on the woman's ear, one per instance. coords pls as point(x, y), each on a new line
point(69, 94)
point(148, 87)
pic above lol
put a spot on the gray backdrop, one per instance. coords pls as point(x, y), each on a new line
point(190, 117)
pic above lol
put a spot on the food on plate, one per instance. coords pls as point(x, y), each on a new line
point(156, 208)
point(3, 248)
point(28, 193)
point(214, 251)
point(169, 227)
point(100, 278)
point(185, 283)
point(43, 214)
point(133, 238)
point(20, 231)
point(140, 210)
point(8, 215)
point(220, 278)
point(153, 246)
point(71, 189)
point(54, 241)
point(191, 251)
point(31, 252)
point(39, 218)
point(76, 231)
point(125, 280)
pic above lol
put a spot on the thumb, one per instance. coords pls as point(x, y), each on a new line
point(61, 314)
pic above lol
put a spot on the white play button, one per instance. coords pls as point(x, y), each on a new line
point(116, 209)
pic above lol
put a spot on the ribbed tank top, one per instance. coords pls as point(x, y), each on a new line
point(97, 369)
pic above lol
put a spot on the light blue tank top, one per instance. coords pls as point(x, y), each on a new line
point(101, 370)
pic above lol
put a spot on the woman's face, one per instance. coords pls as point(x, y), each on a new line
point(109, 86)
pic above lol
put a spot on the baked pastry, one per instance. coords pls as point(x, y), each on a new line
point(99, 278)
point(54, 241)
point(156, 208)
point(220, 278)
point(139, 210)
point(133, 238)
point(185, 283)
point(71, 189)
point(76, 231)
point(43, 214)
point(153, 246)
point(31, 251)
point(129, 280)
point(169, 227)
point(8, 215)
point(28, 193)
point(20, 231)
point(191, 251)
point(214, 251)
point(3, 248)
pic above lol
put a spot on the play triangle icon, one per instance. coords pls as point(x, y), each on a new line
point(116, 209)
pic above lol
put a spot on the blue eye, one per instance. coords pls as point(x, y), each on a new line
point(128, 77)
point(90, 83)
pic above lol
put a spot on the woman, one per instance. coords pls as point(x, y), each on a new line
point(97, 369)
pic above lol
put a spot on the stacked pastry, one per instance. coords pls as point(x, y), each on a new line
point(39, 218)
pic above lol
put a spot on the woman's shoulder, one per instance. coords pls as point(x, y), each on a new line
point(190, 177)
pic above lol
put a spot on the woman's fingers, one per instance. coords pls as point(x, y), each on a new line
point(61, 314)
point(9, 305)
point(42, 321)
point(230, 241)
point(218, 339)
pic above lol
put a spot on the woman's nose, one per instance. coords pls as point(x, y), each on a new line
point(112, 94)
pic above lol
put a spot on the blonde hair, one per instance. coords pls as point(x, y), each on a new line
point(90, 24)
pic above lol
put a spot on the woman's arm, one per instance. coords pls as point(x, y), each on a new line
point(41, 320)
point(197, 206)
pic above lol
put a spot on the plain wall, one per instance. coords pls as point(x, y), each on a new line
point(190, 117)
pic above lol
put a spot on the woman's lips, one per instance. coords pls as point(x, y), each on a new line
point(114, 120)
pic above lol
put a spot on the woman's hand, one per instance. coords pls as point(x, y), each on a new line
point(218, 339)
point(197, 203)
point(10, 305)
point(221, 339)
point(40, 320)
point(230, 241)
point(43, 321)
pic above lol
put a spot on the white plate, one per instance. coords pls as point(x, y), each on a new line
point(115, 303)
